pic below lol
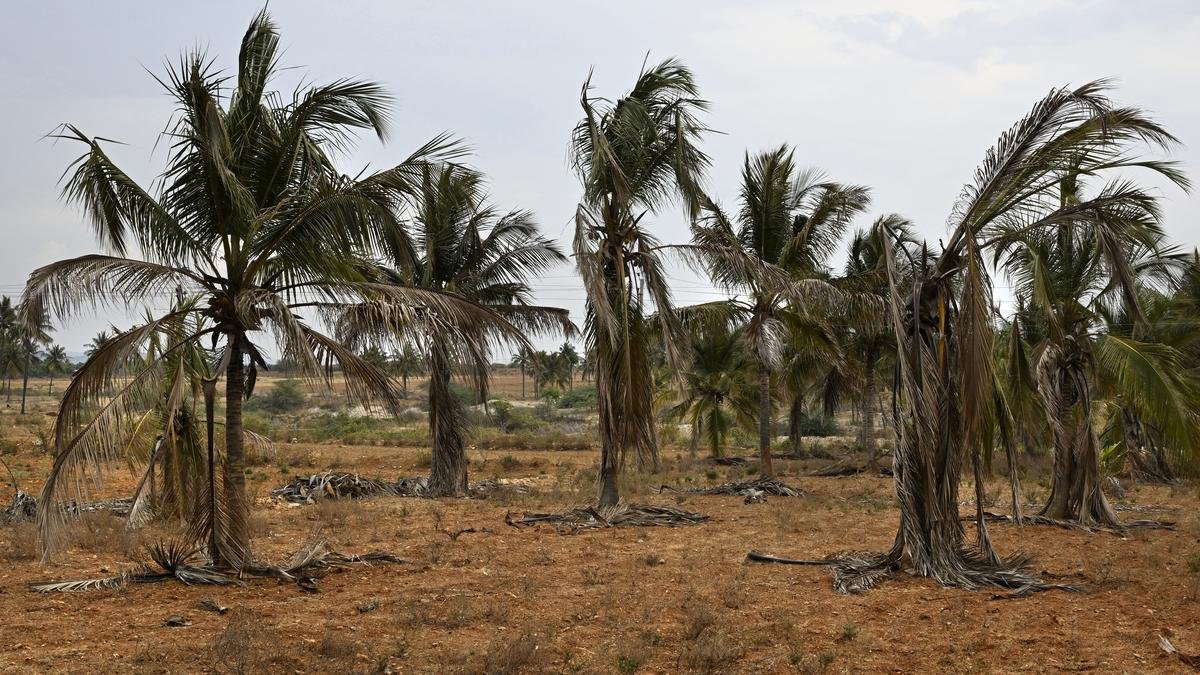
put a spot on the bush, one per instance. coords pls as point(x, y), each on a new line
point(551, 393)
point(512, 419)
point(284, 397)
point(818, 425)
point(579, 397)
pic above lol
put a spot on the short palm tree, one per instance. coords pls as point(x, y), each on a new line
point(251, 216)
point(789, 221)
point(406, 362)
point(462, 246)
point(717, 392)
point(634, 156)
point(1069, 276)
point(56, 363)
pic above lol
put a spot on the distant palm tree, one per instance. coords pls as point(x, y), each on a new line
point(56, 363)
point(522, 360)
point(463, 247)
point(97, 343)
point(789, 221)
point(406, 362)
point(31, 335)
point(633, 156)
point(570, 360)
point(718, 391)
point(254, 217)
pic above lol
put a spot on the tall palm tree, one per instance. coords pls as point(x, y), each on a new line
point(570, 360)
point(634, 156)
point(462, 245)
point(1067, 275)
point(252, 217)
point(947, 397)
point(868, 343)
point(791, 221)
point(522, 360)
point(57, 362)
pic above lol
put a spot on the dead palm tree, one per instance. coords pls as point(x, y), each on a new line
point(634, 156)
point(462, 246)
point(947, 390)
point(252, 217)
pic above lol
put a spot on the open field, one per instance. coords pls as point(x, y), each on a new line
point(620, 600)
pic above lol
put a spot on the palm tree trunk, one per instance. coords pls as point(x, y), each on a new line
point(210, 395)
point(448, 472)
point(522, 382)
point(795, 426)
point(764, 422)
point(1075, 493)
point(235, 544)
point(50, 391)
point(610, 466)
point(25, 379)
point(404, 385)
point(866, 429)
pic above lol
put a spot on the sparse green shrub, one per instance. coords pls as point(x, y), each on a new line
point(579, 397)
point(285, 397)
point(513, 419)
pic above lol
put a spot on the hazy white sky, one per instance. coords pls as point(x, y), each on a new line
point(901, 96)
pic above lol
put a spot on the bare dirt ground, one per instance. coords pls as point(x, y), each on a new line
point(620, 600)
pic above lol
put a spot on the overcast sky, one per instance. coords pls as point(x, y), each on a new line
point(905, 101)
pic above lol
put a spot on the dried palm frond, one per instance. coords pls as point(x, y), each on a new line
point(770, 486)
point(621, 515)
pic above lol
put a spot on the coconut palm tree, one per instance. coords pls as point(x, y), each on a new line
point(522, 360)
point(717, 391)
point(634, 156)
point(10, 350)
point(31, 336)
point(56, 363)
point(406, 362)
point(253, 218)
point(570, 360)
point(791, 221)
point(462, 245)
point(946, 395)
point(869, 342)
point(97, 342)
point(1071, 277)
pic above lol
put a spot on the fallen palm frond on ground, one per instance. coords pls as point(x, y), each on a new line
point(748, 488)
point(24, 506)
point(306, 489)
point(330, 485)
point(857, 571)
point(622, 515)
point(848, 468)
point(1036, 519)
point(187, 563)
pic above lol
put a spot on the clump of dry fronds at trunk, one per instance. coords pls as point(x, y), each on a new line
point(183, 561)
